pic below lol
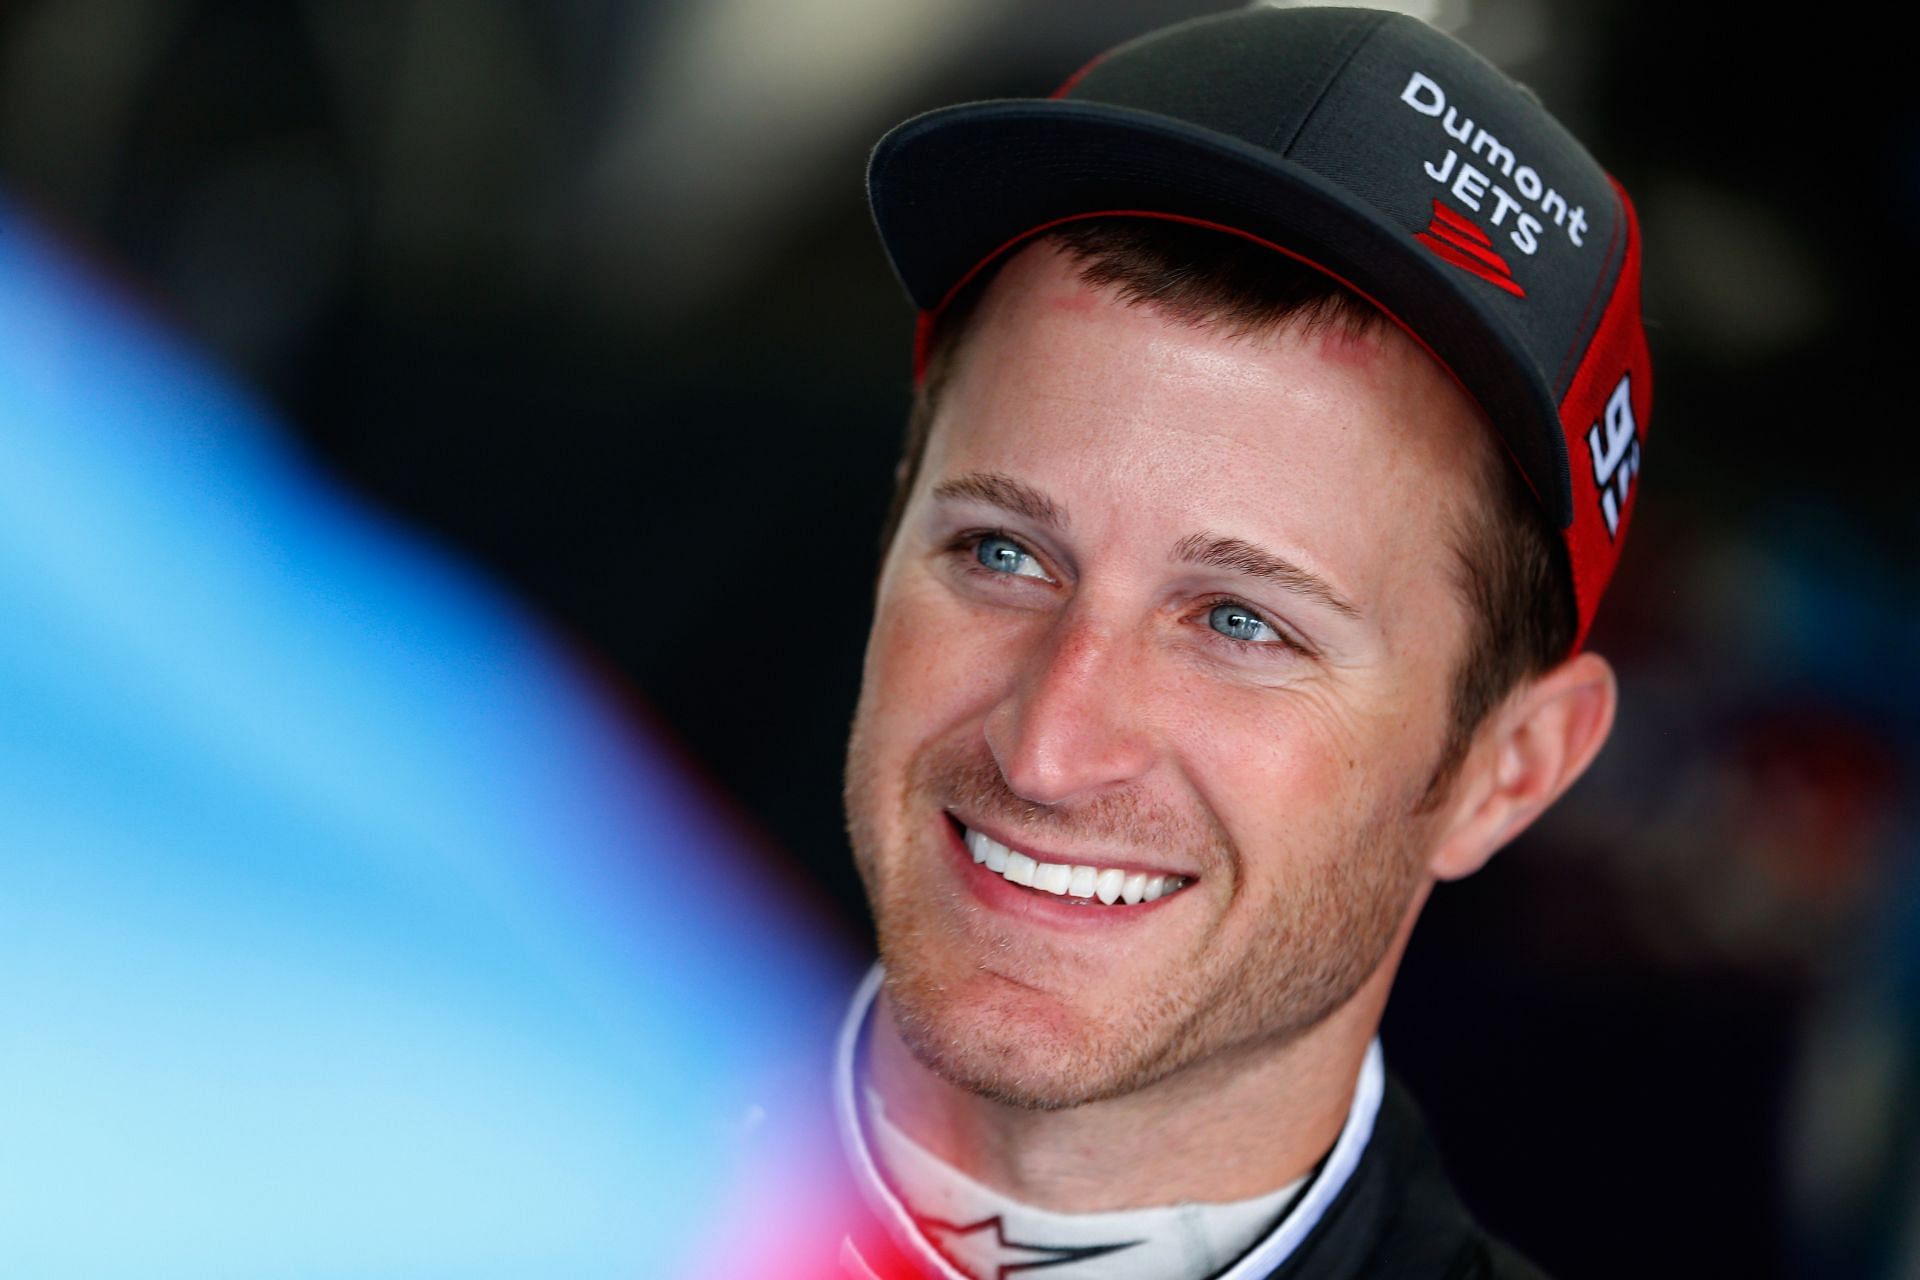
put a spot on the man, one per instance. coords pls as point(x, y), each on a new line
point(1280, 394)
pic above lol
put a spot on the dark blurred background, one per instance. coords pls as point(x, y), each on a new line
point(587, 292)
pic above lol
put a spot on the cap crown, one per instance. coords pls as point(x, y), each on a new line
point(1400, 116)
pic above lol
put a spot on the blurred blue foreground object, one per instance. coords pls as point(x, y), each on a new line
point(344, 930)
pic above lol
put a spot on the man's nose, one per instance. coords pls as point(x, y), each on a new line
point(1071, 726)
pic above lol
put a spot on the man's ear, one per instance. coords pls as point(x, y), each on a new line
point(1529, 750)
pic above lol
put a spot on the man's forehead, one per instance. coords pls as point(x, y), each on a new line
point(1050, 275)
point(1041, 307)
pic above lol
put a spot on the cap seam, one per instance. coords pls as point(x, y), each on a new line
point(1576, 346)
point(1338, 64)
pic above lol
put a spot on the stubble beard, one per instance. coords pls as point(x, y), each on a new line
point(1332, 926)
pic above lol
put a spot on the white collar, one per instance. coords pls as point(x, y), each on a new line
point(1260, 1261)
point(983, 1230)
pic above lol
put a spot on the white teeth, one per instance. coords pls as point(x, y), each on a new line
point(1109, 885)
point(988, 850)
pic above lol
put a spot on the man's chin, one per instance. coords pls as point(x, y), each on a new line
point(1014, 1045)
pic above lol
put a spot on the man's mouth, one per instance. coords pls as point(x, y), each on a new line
point(1090, 884)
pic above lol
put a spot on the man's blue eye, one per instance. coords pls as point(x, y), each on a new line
point(1237, 622)
point(1003, 555)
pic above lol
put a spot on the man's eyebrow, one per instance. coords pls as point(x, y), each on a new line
point(998, 490)
point(1244, 557)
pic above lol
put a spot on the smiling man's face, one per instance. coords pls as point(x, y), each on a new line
point(1174, 612)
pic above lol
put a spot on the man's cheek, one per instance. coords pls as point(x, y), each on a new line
point(936, 662)
point(905, 645)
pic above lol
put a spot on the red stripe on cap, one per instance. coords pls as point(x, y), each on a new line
point(1604, 416)
point(923, 324)
point(1461, 223)
point(1466, 258)
point(1457, 240)
point(1472, 248)
point(1066, 86)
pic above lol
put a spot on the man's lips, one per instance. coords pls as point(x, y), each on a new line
point(1102, 883)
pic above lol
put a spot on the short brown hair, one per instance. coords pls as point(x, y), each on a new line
point(1510, 564)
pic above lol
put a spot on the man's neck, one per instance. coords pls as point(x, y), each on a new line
point(1234, 1127)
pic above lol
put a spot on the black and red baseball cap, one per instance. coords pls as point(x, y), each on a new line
point(1369, 146)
